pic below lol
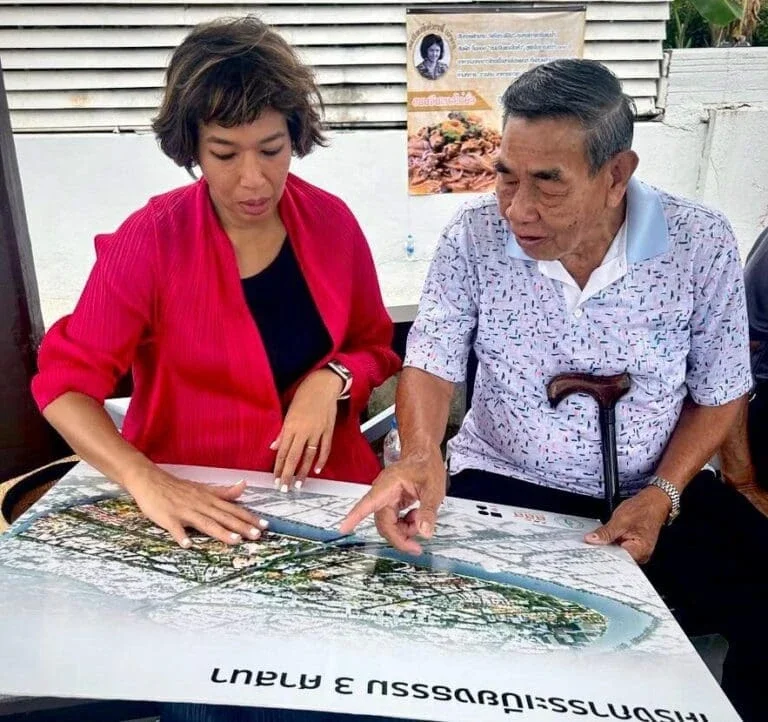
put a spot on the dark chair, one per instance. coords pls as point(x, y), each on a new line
point(26, 490)
point(52, 709)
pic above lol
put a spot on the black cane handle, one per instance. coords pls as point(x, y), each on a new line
point(606, 390)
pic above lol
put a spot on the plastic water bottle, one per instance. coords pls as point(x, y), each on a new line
point(410, 247)
point(391, 445)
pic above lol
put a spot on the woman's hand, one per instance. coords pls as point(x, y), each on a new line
point(174, 504)
point(307, 432)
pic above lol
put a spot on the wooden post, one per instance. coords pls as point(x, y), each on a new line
point(26, 440)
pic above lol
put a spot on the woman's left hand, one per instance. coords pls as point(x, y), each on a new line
point(307, 432)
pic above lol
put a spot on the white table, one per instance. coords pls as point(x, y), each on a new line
point(508, 609)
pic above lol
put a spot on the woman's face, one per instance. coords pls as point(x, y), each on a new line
point(434, 52)
point(246, 168)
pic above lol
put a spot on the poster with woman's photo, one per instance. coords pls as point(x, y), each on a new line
point(459, 63)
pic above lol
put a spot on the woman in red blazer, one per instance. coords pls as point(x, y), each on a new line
point(246, 304)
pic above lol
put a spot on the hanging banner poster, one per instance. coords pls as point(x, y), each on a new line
point(460, 62)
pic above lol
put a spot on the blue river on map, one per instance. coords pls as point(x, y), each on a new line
point(625, 624)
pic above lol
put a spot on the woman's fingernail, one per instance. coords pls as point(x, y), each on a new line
point(263, 523)
point(240, 483)
point(185, 543)
point(298, 484)
point(284, 488)
point(235, 537)
point(318, 469)
point(277, 482)
point(254, 532)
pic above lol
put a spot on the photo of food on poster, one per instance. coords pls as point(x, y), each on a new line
point(459, 65)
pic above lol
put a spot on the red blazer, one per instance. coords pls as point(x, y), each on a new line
point(165, 297)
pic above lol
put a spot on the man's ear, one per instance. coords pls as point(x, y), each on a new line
point(621, 167)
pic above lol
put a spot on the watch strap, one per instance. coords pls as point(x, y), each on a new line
point(345, 375)
point(671, 491)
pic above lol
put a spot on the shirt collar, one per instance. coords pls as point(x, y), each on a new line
point(646, 226)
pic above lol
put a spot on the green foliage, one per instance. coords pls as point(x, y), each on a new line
point(760, 36)
point(687, 27)
point(719, 12)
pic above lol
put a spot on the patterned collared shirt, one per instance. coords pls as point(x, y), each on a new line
point(674, 318)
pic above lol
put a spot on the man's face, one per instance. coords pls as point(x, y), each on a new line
point(553, 204)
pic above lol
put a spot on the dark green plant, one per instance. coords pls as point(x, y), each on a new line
point(708, 23)
point(686, 28)
point(719, 13)
point(760, 36)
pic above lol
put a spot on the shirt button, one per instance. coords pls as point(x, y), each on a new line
point(578, 313)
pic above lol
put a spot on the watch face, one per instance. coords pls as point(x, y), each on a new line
point(346, 376)
point(340, 369)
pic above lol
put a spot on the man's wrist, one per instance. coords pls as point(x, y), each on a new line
point(663, 501)
point(419, 447)
point(421, 454)
point(667, 492)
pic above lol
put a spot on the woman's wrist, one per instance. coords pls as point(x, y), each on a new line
point(137, 473)
point(344, 374)
point(331, 381)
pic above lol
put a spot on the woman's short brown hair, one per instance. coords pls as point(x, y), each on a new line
point(228, 71)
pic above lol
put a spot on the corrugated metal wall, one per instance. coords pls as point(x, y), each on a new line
point(86, 66)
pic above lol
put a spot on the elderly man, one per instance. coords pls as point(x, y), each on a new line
point(575, 265)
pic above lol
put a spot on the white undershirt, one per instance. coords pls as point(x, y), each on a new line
point(611, 269)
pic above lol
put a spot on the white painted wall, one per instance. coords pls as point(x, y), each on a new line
point(77, 185)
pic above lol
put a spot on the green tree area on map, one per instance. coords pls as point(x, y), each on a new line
point(317, 578)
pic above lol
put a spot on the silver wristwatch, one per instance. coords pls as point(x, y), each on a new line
point(671, 491)
point(346, 376)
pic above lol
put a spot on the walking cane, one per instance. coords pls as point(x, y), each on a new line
point(606, 391)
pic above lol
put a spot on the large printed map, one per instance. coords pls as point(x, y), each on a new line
point(494, 582)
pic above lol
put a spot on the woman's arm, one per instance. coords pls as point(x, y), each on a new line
point(89, 430)
point(80, 361)
point(304, 442)
point(170, 502)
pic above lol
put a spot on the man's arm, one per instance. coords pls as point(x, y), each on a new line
point(736, 463)
point(735, 458)
point(636, 523)
point(435, 360)
point(698, 434)
point(717, 377)
point(422, 406)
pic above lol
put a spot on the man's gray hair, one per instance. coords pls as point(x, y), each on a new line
point(581, 89)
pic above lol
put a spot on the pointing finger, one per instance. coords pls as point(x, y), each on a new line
point(369, 504)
